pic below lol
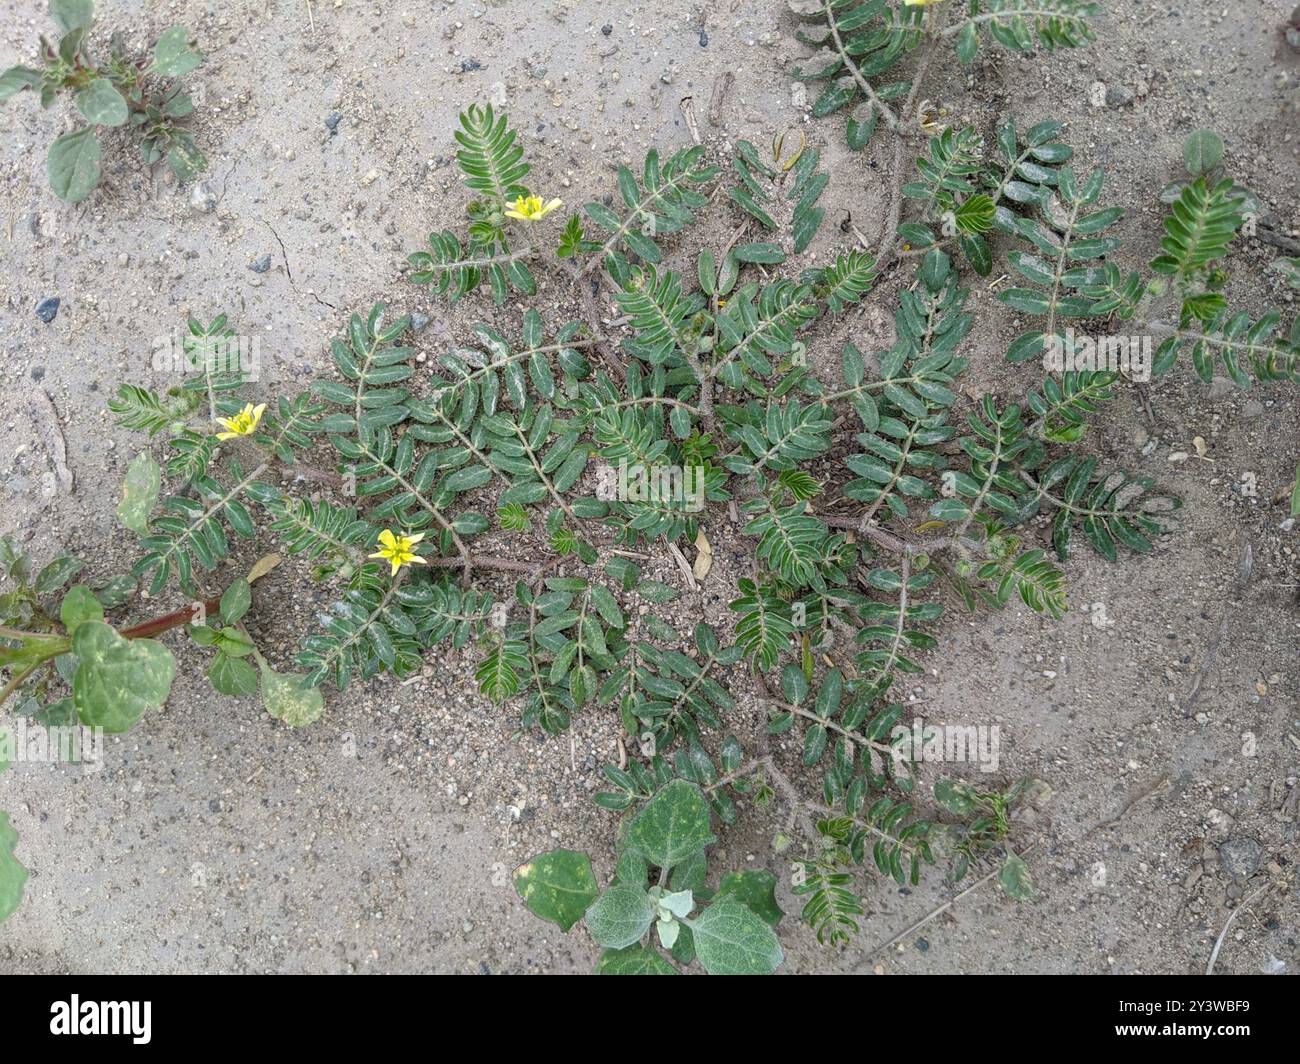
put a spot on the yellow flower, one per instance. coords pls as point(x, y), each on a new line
point(399, 550)
point(919, 3)
point(532, 209)
point(242, 424)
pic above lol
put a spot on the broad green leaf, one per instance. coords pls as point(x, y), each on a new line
point(558, 886)
point(57, 573)
point(172, 55)
point(288, 697)
point(117, 679)
point(1015, 878)
point(231, 675)
point(139, 493)
point(102, 104)
point(756, 889)
point(956, 796)
point(635, 960)
point(731, 939)
point(15, 79)
point(12, 874)
point(79, 605)
point(70, 15)
point(73, 165)
point(620, 916)
point(672, 826)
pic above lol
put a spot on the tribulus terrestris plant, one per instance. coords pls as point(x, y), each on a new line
point(877, 496)
point(120, 89)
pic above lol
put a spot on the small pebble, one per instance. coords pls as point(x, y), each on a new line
point(202, 199)
point(260, 265)
point(47, 309)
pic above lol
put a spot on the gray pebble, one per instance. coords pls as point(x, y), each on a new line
point(1118, 96)
point(202, 198)
point(47, 309)
point(260, 265)
point(1240, 856)
point(332, 122)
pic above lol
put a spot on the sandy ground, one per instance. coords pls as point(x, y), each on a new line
point(379, 840)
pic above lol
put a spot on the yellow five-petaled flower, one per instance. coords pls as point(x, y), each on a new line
point(399, 550)
point(242, 424)
point(532, 209)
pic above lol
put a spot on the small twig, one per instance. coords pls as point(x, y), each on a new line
point(874, 533)
point(480, 561)
point(1159, 787)
point(721, 85)
point(687, 105)
point(1245, 902)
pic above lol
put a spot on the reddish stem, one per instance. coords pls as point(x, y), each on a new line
point(168, 621)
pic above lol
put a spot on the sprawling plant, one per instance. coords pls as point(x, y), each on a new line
point(121, 89)
point(876, 496)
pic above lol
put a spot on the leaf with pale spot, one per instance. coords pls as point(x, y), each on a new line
point(673, 826)
point(139, 493)
point(117, 679)
point(558, 886)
